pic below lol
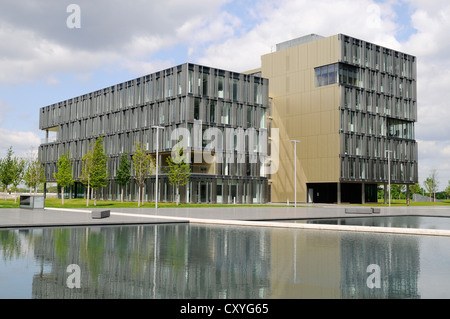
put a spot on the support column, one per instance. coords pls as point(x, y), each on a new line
point(407, 193)
point(338, 193)
point(363, 193)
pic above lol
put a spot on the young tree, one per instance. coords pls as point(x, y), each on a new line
point(34, 174)
point(6, 169)
point(395, 191)
point(99, 169)
point(143, 165)
point(86, 172)
point(447, 190)
point(415, 189)
point(432, 184)
point(123, 176)
point(179, 170)
point(64, 176)
point(17, 172)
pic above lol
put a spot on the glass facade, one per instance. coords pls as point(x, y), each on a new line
point(183, 97)
point(378, 110)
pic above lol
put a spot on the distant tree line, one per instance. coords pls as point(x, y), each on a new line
point(94, 172)
point(430, 188)
point(15, 170)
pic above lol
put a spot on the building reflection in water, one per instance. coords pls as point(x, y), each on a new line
point(188, 261)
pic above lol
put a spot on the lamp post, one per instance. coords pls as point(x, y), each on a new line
point(389, 174)
point(295, 171)
point(157, 160)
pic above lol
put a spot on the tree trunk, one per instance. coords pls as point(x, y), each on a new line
point(62, 195)
point(121, 194)
point(178, 191)
point(87, 196)
point(139, 195)
point(95, 197)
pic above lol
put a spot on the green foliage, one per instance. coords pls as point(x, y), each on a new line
point(18, 170)
point(123, 176)
point(431, 183)
point(99, 169)
point(143, 165)
point(179, 170)
point(34, 174)
point(94, 172)
point(86, 171)
point(415, 189)
point(63, 176)
point(6, 169)
point(447, 190)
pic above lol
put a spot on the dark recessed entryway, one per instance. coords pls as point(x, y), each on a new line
point(352, 193)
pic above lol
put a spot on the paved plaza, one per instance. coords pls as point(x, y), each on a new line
point(51, 217)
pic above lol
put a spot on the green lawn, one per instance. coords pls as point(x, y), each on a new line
point(9, 203)
point(402, 202)
point(81, 203)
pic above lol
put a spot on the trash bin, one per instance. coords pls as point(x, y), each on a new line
point(32, 201)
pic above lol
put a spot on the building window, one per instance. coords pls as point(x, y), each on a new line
point(226, 113)
point(196, 109)
point(191, 81)
point(205, 84)
point(257, 93)
point(212, 111)
point(219, 87)
point(400, 129)
point(326, 75)
point(348, 75)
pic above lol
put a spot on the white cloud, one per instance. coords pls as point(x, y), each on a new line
point(39, 44)
point(288, 19)
point(21, 141)
point(434, 155)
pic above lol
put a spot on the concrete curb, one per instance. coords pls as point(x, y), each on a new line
point(249, 223)
point(369, 229)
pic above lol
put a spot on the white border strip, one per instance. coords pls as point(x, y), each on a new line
point(366, 229)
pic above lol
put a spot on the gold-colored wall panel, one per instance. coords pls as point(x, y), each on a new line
point(306, 113)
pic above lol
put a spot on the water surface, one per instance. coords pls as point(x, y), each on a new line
point(423, 222)
point(190, 261)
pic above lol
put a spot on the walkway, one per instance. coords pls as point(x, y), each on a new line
point(237, 216)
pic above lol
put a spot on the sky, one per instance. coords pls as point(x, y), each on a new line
point(44, 59)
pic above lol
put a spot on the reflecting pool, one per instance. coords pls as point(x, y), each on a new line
point(193, 261)
point(423, 222)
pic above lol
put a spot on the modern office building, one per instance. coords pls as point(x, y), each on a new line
point(223, 113)
point(352, 105)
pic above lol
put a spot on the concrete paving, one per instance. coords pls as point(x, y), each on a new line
point(50, 217)
point(26, 218)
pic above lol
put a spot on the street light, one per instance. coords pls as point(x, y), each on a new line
point(389, 174)
point(157, 160)
point(295, 171)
